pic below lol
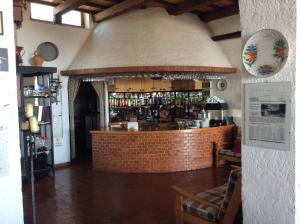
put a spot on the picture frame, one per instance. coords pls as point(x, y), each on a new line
point(1, 24)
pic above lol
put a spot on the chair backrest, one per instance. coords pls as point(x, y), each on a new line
point(233, 192)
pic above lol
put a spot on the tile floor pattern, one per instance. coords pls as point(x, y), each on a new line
point(79, 195)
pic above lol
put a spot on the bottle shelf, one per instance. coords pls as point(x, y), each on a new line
point(31, 80)
point(28, 97)
point(44, 123)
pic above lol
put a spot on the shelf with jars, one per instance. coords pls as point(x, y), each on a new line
point(147, 106)
point(137, 85)
point(36, 94)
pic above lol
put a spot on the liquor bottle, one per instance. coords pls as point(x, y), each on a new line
point(111, 102)
point(129, 101)
point(125, 102)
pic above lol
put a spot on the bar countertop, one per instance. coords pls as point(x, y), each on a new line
point(156, 151)
point(164, 129)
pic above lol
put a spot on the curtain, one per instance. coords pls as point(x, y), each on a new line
point(101, 90)
point(73, 87)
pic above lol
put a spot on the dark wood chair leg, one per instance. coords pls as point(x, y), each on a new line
point(215, 155)
point(179, 209)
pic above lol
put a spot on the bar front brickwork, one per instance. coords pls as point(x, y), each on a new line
point(156, 151)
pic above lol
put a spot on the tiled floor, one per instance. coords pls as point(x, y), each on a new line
point(78, 194)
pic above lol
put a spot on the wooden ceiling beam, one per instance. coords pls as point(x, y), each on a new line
point(87, 11)
point(227, 36)
point(220, 13)
point(42, 2)
point(118, 9)
point(67, 6)
point(94, 5)
point(188, 6)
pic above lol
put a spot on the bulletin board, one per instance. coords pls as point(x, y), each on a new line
point(268, 115)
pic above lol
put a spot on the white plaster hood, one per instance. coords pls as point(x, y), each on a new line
point(150, 37)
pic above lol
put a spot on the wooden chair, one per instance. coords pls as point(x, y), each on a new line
point(224, 151)
point(217, 205)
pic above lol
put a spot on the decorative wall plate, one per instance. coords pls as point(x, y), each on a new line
point(48, 51)
point(221, 84)
point(265, 53)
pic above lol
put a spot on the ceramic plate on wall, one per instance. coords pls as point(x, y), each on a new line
point(222, 84)
point(48, 51)
point(265, 53)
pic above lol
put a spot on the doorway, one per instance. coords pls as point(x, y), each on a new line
point(86, 116)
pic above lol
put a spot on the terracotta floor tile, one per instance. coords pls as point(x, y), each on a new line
point(80, 195)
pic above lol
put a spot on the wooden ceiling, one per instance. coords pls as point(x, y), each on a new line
point(207, 10)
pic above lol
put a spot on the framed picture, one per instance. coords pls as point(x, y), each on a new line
point(268, 115)
point(3, 60)
point(1, 24)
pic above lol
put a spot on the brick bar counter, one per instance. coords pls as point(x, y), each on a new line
point(156, 151)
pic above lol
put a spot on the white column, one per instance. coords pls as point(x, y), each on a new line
point(11, 206)
point(268, 184)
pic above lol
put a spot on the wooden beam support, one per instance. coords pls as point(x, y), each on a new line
point(220, 13)
point(67, 6)
point(112, 70)
point(227, 36)
point(42, 2)
point(188, 6)
point(118, 9)
point(94, 5)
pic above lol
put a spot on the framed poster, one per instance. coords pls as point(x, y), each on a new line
point(1, 23)
point(3, 60)
point(268, 115)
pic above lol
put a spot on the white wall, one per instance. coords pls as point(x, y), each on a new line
point(297, 124)
point(11, 206)
point(146, 37)
point(68, 40)
point(269, 175)
point(225, 25)
point(232, 49)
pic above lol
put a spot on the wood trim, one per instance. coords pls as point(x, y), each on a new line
point(107, 70)
point(234, 204)
point(118, 9)
point(141, 133)
point(179, 209)
point(62, 165)
point(192, 196)
point(42, 2)
point(229, 158)
point(220, 13)
point(227, 36)
point(191, 219)
point(67, 6)
point(95, 5)
point(188, 6)
point(1, 24)
point(18, 14)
